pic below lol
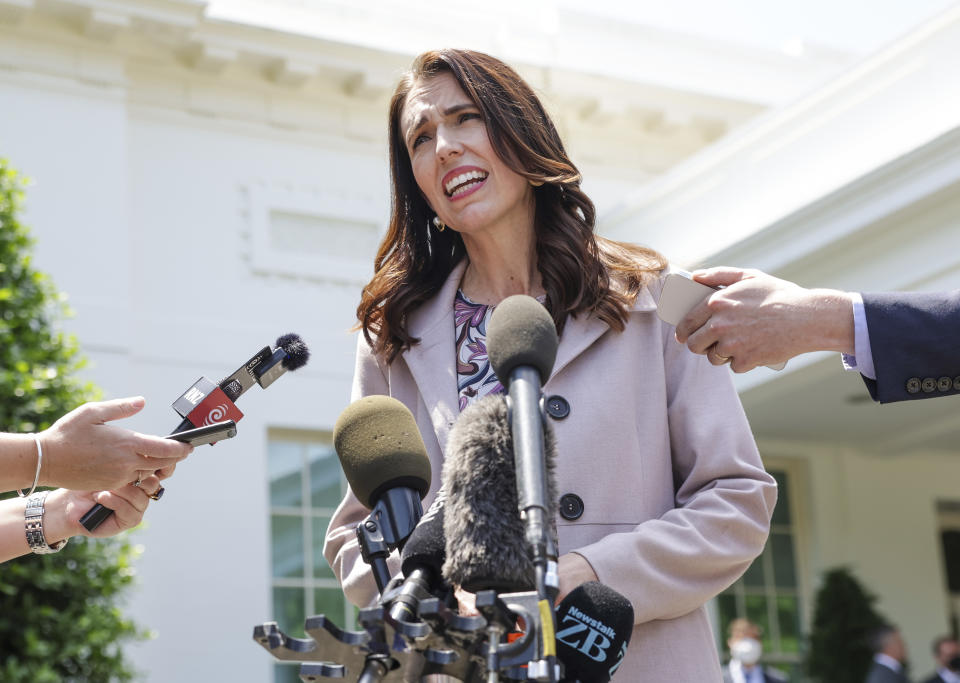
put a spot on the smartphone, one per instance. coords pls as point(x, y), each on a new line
point(679, 296)
point(207, 434)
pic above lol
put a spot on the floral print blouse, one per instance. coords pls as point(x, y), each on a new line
point(475, 375)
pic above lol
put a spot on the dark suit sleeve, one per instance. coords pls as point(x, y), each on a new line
point(915, 341)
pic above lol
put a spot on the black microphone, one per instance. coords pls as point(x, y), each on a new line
point(485, 544)
point(206, 403)
point(385, 461)
point(594, 625)
point(421, 562)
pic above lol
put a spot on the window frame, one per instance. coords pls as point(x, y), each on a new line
point(307, 582)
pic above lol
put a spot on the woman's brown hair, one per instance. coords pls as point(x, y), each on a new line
point(581, 272)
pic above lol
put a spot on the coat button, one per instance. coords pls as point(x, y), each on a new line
point(557, 407)
point(571, 506)
point(928, 385)
point(913, 385)
point(944, 384)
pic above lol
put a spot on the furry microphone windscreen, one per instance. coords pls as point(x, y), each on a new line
point(297, 352)
point(380, 447)
point(521, 332)
point(485, 541)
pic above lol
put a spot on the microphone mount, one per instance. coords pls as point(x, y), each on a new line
point(469, 648)
point(391, 521)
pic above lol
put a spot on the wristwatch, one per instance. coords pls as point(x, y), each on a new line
point(33, 523)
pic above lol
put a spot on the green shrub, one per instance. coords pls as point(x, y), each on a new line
point(843, 622)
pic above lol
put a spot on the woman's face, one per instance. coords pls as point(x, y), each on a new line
point(454, 164)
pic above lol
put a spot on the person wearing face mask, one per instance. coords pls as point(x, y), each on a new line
point(745, 652)
point(946, 651)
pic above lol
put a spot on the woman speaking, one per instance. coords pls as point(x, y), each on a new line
point(663, 494)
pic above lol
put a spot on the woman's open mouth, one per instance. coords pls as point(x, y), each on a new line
point(464, 183)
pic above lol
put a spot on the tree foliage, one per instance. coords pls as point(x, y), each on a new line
point(843, 622)
point(58, 615)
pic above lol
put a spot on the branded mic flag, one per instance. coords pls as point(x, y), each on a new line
point(205, 403)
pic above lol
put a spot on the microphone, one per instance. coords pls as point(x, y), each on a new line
point(206, 403)
point(421, 562)
point(484, 532)
point(522, 346)
point(594, 625)
point(385, 461)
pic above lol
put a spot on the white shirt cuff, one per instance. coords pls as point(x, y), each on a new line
point(862, 362)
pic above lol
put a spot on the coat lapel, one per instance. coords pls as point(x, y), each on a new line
point(582, 331)
point(432, 361)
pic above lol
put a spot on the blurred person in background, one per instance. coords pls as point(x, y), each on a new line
point(746, 649)
point(946, 653)
point(889, 657)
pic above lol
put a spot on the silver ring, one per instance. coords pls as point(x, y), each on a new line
point(139, 479)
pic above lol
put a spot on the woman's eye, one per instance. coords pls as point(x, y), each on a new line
point(419, 139)
point(466, 116)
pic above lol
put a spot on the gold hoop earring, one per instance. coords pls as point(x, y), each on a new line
point(439, 224)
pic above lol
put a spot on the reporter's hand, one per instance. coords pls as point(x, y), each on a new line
point(82, 452)
point(63, 509)
point(758, 319)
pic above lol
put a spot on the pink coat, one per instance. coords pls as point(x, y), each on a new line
point(676, 503)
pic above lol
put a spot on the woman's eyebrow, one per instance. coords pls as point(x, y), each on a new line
point(449, 111)
point(458, 107)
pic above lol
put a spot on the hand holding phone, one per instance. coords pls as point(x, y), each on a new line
point(206, 434)
point(96, 515)
point(680, 294)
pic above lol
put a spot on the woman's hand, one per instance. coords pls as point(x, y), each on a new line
point(467, 602)
point(62, 510)
point(573, 570)
point(81, 452)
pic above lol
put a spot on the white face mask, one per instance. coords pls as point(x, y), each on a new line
point(746, 651)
